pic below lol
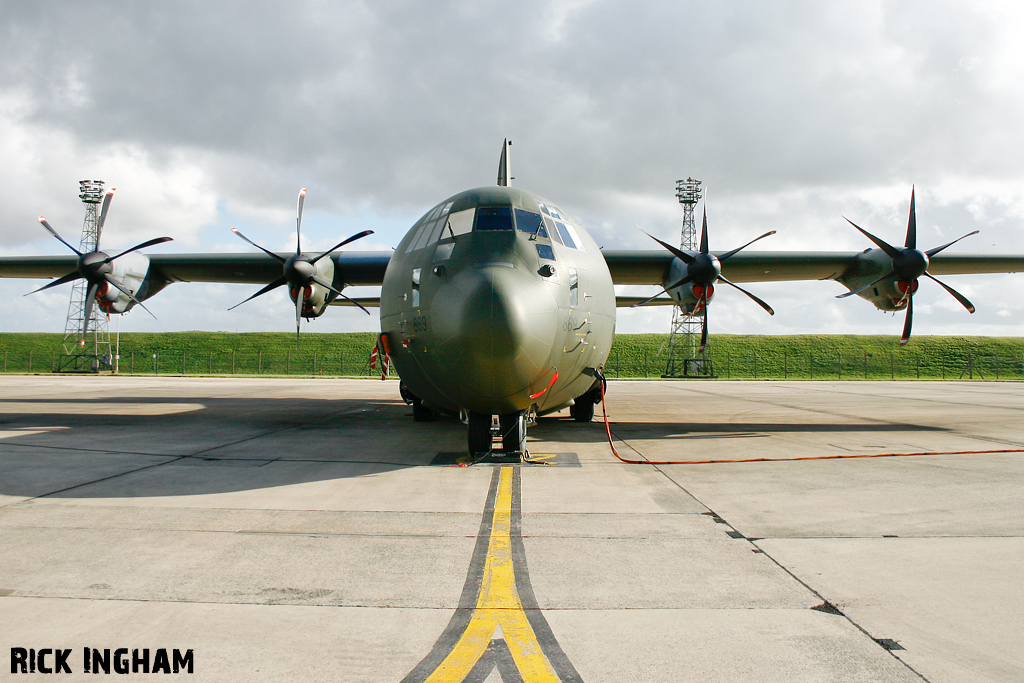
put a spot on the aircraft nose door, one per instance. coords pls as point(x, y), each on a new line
point(576, 324)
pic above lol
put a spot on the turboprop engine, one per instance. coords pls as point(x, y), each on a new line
point(692, 277)
point(116, 283)
point(310, 279)
point(900, 270)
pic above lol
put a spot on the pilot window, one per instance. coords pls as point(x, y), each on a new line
point(544, 251)
point(494, 218)
point(574, 288)
point(428, 229)
point(577, 242)
point(458, 223)
point(530, 223)
point(550, 228)
point(563, 232)
point(417, 231)
point(444, 251)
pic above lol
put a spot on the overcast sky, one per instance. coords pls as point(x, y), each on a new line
point(207, 115)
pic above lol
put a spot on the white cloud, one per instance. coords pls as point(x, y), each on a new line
point(794, 114)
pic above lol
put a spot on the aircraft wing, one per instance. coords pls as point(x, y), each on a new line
point(357, 267)
point(651, 267)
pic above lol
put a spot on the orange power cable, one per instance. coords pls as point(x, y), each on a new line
point(608, 431)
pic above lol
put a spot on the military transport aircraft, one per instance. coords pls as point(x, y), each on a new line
point(498, 303)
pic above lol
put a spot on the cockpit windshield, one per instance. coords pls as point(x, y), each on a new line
point(494, 218)
point(530, 223)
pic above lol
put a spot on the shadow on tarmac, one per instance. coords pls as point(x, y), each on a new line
point(129, 447)
point(173, 446)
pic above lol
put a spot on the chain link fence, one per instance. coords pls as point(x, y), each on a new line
point(897, 365)
point(314, 364)
point(964, 364)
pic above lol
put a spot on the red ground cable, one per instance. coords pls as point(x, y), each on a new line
point(608, 431)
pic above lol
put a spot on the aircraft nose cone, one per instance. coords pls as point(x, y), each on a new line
point(496, 329)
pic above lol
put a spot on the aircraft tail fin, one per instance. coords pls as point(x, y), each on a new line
point(503, 174)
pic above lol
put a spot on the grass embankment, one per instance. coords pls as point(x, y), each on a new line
point(831, 357)
point(633, 355)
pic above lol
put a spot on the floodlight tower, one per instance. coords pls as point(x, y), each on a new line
point(684, 336)
point(80, 354)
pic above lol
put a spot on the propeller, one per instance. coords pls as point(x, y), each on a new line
point(299, 270)
point(95, 267)
point(908, 266)
point(703, 270)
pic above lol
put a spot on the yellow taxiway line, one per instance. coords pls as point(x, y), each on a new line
point(498, 605)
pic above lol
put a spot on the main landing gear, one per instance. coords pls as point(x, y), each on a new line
point(583, 409)
point(420, 412)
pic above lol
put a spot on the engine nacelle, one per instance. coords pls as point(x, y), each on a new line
point(688, 295)
point(132, 270)
point(888, 295)
point(316, 298)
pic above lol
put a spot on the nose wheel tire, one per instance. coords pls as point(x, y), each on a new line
point(479, 433)
point(513, 432)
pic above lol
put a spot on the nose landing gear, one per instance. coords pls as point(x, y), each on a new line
point(510, 429)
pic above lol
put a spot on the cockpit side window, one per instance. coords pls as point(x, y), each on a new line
point(563, 232)
point(494, 218)
point(551, 230)
point(417, 230)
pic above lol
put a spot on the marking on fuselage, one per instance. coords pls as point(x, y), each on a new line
point(497, 624)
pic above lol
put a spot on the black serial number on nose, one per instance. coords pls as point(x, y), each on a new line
point(420, 324)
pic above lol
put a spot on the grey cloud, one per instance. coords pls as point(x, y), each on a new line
point(382, 108)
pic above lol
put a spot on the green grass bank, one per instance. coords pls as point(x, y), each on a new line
point(846, 357)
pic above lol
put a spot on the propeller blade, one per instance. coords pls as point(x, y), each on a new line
point(704, 323)
point(265, 251)
point(70, 277)
point(676, 251)
point(298, 310)
point(870, 284)
point(120, 285)
point(688, 278)
point(730, 253)
point(909, 322)
point(339, 245)
point(936, 250)
point(106, 206)
point(956, 295)
point(273, 285)
point(911, 242)
point(756, 300)
point(324, 283)
point(356, 303)
point(704, 230)
point(664, 291)
point(90, 300)
point(890, 250)
point(53, 232)
point(298, 220)
point(145, 244)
